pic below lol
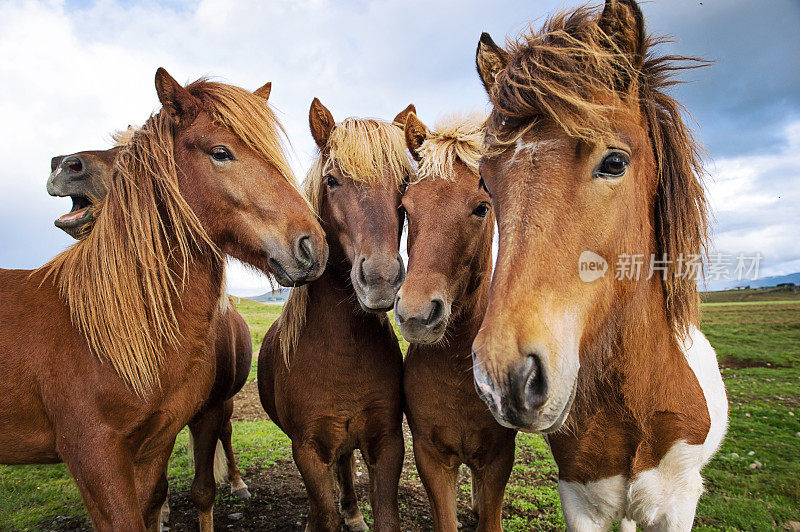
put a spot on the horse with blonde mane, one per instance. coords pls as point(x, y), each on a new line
point(439, 310)
point(106, 349)
point(85, 177)
point(589, 160)
point(330, 368)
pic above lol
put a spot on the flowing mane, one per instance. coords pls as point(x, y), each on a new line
point(456, 137)
point(120, 281)
point(556, 74)
point(360, 148)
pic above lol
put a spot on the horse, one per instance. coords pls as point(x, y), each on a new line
point(439, 310)
point(84, 177)
point(589, 162)
point(106, 349)
point(330, 368)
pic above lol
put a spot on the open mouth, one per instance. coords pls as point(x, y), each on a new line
point(80, 209)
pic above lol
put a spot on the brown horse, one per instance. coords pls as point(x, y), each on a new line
point(439, 309)
point(588, 160)
point(85, 177)
point(106, 349)
point(330, 369)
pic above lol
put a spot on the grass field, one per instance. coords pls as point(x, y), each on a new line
point(752, 484)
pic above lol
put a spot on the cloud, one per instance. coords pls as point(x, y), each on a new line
point(756, 203)
point(74, 71)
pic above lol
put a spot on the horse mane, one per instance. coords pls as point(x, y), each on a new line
point(119, 282)
point(123, 137)
point(455, 137)
point(557, 73)
point(365, 150)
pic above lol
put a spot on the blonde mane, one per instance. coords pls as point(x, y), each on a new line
point(122, 281)
point(456, 137)
point(367, 151)
point(123, 137)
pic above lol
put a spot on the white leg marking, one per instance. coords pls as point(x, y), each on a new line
point(593, 505)
point(664, 498)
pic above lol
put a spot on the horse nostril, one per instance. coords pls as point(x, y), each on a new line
point(401, 273)
point(305, 251)
point(535, 383)
point(436, 312)
point(398, 312)
point(73, 164)
point(362, 278)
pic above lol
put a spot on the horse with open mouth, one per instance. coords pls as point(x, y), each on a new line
point(83, 177)
point(87, 175)
point(439, 310)
point(330, 368)
point(106, 349)
point(589, 160)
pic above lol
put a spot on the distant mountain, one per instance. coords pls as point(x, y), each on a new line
point(273, 296)
point(774, 280)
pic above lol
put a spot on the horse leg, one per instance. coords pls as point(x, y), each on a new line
point(205, 429)
point(317, 477)
point(675, 513)
point(103, 470)
point(385, 468)
point(153, 503)
point(238, 487)
point(439, 480)
point(491, 481)
point(348, 500)
point(593, 506)
point(165, 513)
point(474, 495)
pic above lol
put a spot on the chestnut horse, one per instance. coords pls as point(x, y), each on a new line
point(439, 309)
point(85, 177)
point(106, 349)
point(588, 160)
point(330, 368)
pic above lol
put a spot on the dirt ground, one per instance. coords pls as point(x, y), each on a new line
point(279, 501)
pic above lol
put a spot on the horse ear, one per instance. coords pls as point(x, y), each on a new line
point(175, 99)
point(264, 90)
point(623, 22)
point(400, 119)
point(416, 133)
point(490, 60)
point(321, 122)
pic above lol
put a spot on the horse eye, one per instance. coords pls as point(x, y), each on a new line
point(614, 165)
point(331, 181)
point(221, 153)
point(482, 186)
point(481, 210)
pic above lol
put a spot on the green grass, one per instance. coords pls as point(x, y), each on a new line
point(762, 337)
point(771, 293)
point(259, 317)
point(762, 401)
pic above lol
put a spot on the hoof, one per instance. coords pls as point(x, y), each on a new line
point(242, 494)
point(356, 524)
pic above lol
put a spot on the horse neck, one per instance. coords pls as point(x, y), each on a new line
point(333, 294)
point(634, 358)
point(204, 278)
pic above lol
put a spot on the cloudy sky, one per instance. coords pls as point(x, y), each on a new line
point(73, 71)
